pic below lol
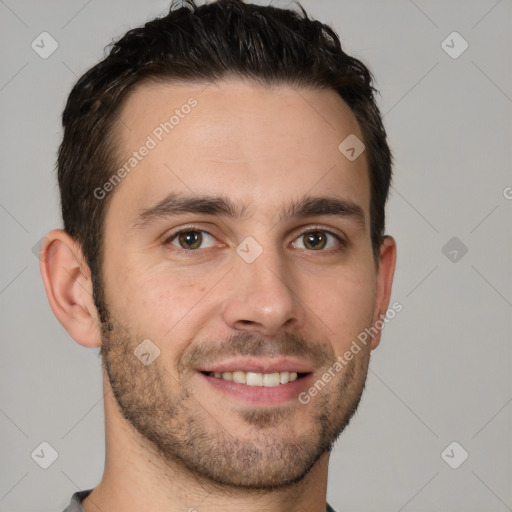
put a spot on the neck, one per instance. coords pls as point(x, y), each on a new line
point(136, 478)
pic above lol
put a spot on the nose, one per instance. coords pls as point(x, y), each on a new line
point(261, 297)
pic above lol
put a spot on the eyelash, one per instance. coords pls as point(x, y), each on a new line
point(342, 243)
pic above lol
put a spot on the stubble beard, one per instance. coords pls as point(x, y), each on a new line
point(175, 428)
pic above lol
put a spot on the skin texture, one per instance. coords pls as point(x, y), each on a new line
point(173, 441)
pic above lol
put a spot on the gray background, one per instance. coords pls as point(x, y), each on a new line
point(443, 370)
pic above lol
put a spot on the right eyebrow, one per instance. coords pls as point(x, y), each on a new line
point(175, 204)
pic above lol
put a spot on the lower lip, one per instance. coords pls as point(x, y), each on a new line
point(260, 395)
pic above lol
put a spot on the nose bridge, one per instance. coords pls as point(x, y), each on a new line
point(261, 296)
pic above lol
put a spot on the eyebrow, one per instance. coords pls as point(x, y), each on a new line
point(175, 204)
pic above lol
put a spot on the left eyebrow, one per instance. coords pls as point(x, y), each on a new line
point(315, 206)
point(176, 204)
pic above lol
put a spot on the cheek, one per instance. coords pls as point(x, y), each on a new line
point(344, 302)
point(161, 306)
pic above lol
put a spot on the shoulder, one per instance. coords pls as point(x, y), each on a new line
point(75, 505)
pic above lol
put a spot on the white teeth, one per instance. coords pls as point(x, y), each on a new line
point(254, 379)
point(268, 380)
point(239, 377)
point(271, 379)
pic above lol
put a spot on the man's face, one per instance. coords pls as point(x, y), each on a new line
point(257, 289)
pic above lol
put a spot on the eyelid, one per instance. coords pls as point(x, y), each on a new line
point(319, 227)
point(192, 227)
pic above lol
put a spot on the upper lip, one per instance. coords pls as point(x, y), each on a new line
point(259, 365)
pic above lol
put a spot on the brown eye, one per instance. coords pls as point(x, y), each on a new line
point(317, 240)
point(192, 239)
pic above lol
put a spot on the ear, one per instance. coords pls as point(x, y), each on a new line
point(385, 273)
point(68, 285)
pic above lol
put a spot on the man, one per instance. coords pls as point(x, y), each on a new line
point(223, 177)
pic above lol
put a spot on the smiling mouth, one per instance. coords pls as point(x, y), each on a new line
point(268, 380)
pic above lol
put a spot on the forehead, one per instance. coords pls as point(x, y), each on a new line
point(236, 138)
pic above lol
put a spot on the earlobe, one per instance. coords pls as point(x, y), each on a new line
point(386, 271)
point(68, 286)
